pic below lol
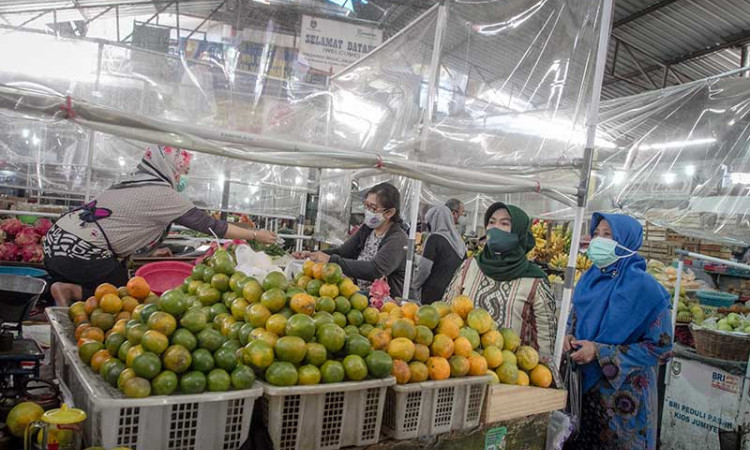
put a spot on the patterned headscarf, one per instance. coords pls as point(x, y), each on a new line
point(160, 166)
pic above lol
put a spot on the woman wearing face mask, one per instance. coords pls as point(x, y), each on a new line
point(378, 249)
point(503, 281)
point(443, 253)
point(620, 331)
point(90, 245)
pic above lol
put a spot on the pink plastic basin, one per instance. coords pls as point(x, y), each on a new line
point(164, 275)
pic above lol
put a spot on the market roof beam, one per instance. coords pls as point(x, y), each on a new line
point(644, 12)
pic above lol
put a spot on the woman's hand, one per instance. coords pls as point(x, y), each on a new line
point(265, 237)
point(320, 257)
point(301, 255)
point(566, 342)
point(585, 353)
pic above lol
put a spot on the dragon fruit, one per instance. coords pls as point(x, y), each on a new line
point(8, 251)
point(32, 253)
point(380, 293)
point(42, 226)
point(11, 226)
point(27, 236)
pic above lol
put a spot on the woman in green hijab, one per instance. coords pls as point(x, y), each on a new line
point(503, 281)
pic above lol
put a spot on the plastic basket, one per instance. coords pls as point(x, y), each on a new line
point(164, 275)
point(434, 407)
point(328, 416)
point(716, 298)
point(205, 421)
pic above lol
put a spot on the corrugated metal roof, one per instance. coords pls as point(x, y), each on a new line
point(666, 34)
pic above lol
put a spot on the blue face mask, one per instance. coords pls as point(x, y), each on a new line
point(602, 252)
point(182, 184)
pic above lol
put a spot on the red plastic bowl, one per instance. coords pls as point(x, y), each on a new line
point(164, 275)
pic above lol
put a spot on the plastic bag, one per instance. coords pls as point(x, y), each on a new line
point(254, 264)
point(564, 425)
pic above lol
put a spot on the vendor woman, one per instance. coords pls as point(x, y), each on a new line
point(90, 245)
point(378, 249)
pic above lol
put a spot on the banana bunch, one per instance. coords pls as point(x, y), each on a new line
point(555, 278)
point(559, 261)
point(539, 230)
point(577, 276)
point(583, 263)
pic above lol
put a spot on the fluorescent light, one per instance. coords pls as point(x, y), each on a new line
point(121, 161)
point(677, 144)
point(25, 133)
point(35, 140)
point(247, 199)
point(298, 180)
point(619, 176)
point(690, 170)
point(669, 177)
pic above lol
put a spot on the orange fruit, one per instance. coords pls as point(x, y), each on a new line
point(98, 359)
point(93, 333)
point(492, 338)
point(80, 328)
point(110, 303)
point(138, 288)
point(448, 327)
point(477, 365)
point(123, 315)
point(307, 268)
point(442, 346)
point(421, 352)
point(410, 310)
point(402, 328)
point(541, 376)
point(462, 347)
point(462, 305)
point(396, 313)
point(459, 366)
point(442, 308)
point(480, 320)
point(494, 356)
point(318, 271)
point(401, 371)
point(523, 379)
point(75, 309)
point(129, 304)
point(104, 289)
point(379, 339)
point(303, 303)
point(401, 348)
point(90, 305)
point(389, 306)
point(120, 326)
point(438, 368)
point(418, 372)
point(80, 318)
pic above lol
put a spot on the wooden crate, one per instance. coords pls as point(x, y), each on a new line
point(507, 402)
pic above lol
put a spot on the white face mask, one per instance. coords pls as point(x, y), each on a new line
point(374, 220)
point(462, 221)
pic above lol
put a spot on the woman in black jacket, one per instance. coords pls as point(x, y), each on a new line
point(378, 249)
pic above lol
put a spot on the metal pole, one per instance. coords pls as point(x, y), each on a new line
point(442, 21)
point(745, 59)
point(117, 21)
point(177, 20)
point(301, 222)
point(592, 116)
point(476, 213)
point(90, 156)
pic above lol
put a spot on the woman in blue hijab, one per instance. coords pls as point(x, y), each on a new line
point(619, 332)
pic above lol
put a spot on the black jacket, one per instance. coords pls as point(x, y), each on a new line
point(389, 262)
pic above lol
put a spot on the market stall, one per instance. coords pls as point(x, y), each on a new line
point(428, 105)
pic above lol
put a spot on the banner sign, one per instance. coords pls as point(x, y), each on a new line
point(330, 45)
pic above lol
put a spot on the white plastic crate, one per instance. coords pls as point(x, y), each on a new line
point(62, 339)
point(434, 407)
point(207, 421)
point(326, 416)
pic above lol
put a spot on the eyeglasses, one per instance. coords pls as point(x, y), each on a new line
point(374, 208)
